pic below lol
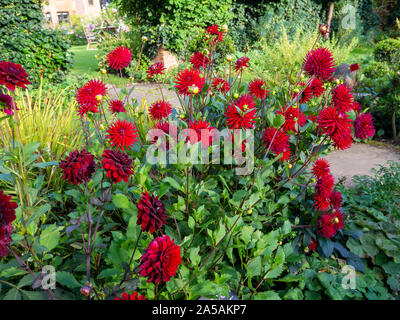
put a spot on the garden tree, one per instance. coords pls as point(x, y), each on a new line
point(24, 40)
point(171, 23)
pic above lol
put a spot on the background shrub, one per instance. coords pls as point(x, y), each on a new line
point(24, 40)
point(387, 50)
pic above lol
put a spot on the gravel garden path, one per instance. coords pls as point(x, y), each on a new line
point(358, 160)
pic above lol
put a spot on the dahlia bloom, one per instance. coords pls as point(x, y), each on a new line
point(116, 106)
point(356, 106)
point(5, 239)
point(342, 98)
point(242, 113)
point(364, 126)
point(241, 64)
point(220, 85)
point(326, 225)
point(8, 104)
point(336, 199)
point(316, 87)
point(279, 144)
point(160, 109)
point(155, 69)
point(87, 96)
point(78, 167)
point(313, 245)
point(186, 79)
point(199, 60)
point(13, 75)
point(324, 185)
point(342, 141)
point(122, 134)
point(7, 209)
point(133, 296)
point(305, 93)
point(200, 131)
point(161, 260)
point(258, 89)
point(331, 122)
point(118, 165)
point(151, 213)
point(323, 29)
point(213, 32)
point(354, 67)
point(319, 63)
point(320, 168)
point(292, 116)
point(119, 58)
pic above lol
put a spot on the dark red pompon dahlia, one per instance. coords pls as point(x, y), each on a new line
point(133, 296)
point(160, 109)
point(342, 98)
point(78, 167)
point(119, 58)
point(151, 213)
point(7, 104)
point(187, 79)
point(13, 75)
point(199, 60)
point(155, 69)
point(319, 63)
point(116, 106)
point(354, 67)
point(161, 260)
point(364, 126)
point(258, 88)
point(242, 113)
point(241, 64)
point(5, 239)
point(118, 165)
point(122, 134)
point(7, 209)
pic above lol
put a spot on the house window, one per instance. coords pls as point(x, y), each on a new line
point(91, 2)
point(63, 16)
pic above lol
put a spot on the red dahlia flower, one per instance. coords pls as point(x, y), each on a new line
point(316, 87)
point(326, 225)
point(305, 95)
point(331, 122)
point(325, 185)
point(342, 98)
point(336, 199)
point(119, 58)
point(220, 85)
point(155, 69)
point(364, 126)
point(160, 109)
point(161, 260)
point(313, 245)
point(8, 104)
point(354, 67)
point(117, 106)
point(122, 134)
point(242, 113)
point(13, 75)
point(151, 213)
point(292, 116)
point(342, 141)
point(200, 131)
point(323, 29)
point(319, 63)
point(7, 209)
point(186, 79)
point(88, 95)
point(215, 34)
point(356, 106)
point(117, 165)
point(199, 60)
point(320, 168)
point(279, 144)
point(5, 239)
point(78, 167)
point(133, 296)
point(258, 88)
point(167, 129)
point(241, 64)
point(321, 202)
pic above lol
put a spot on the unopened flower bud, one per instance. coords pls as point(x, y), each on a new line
point(210, 93)
point(229, 58)
point(85, 290)
point(297, 90)
point(206, 52)
point(250, 211)
point(99, 97)
point(225, 28)
point(273, 92)
point(306, 250)
point(96, 56)
point(144, 39)
point(103, 71)
point(194, 89)
point(336, 220)
point(280, 243)
point(290, 166)
point(102, 127)
point(236, 95)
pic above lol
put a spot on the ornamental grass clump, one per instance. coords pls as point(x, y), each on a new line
point(225, 192)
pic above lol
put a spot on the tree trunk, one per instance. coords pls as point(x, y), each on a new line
point(330, 14)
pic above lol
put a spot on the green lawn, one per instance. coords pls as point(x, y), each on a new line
point(86, 63)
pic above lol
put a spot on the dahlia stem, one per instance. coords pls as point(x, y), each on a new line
point(130, 261)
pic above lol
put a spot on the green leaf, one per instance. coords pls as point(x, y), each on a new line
point(267, 295)
point(50, 236)
point(121, 201)
point(12, 294)
point(254, 267)
point(279, 120)
point(67, 279)
point(191, 223)
point(25, 281)
point(172, 182)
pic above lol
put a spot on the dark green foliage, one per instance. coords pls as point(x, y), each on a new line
point(375, 70)
point(387, 51)
point(25, 41)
